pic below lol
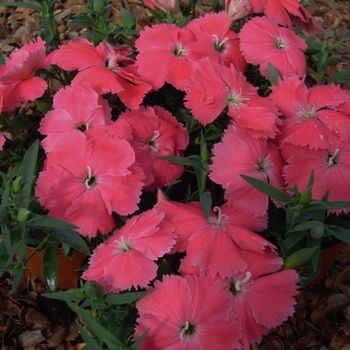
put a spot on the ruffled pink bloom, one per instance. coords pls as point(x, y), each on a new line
point(127, 258)
point(213, 245)
point(69, 115)
point(215, 87)
point(18, 82)
point(87, 178)
point(156, 133)
point(105, 67)
point(187, 313)
point(238, 9)
point(264, 42)
point(215, 38)
point(310, 114)
point(330, 166)
point(263, 297)
point(236, 155)
point(166, 55)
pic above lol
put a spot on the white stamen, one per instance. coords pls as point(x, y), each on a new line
point(239, 283)
point(184, 329)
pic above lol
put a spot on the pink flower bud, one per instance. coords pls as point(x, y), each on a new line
point(164, 5)
point(238, 9)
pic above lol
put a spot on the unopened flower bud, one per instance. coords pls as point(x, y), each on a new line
point(317, 232)
point(238, 9)
point(23, 215)
point(17, 185)
point(164, 5)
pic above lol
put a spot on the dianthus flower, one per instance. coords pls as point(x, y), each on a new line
point(156, 133)
point(69, 115)
point(236, 155)
point(86, 178)
point(214, 87)
point(212, 244)
point(214, 37)
point(264, 42)
point(310, 114)
point(187, 313)
point(166, 55)
point(330, 167)
point(18, 82)
point(263, 295)
point(2, 137)
point(105, 67)
point(127, 258)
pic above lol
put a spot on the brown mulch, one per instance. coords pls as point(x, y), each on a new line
point(322, 318)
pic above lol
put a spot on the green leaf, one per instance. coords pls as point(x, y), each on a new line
point(22, 4)
point(194, 162)
point(339, 232)
point(206, 202)
point(50, 270)
point(71, 238)
point(126, 18)
point(266, 188)
point(306, 226)
point(102, 333)
point(340, 77)
point(139, 340)
point(273, 74)
point(299, 258)
point(292, 239)
point(71, 295)
point(2, 59)
point(91, 343)
point(49, 221)
point(82, 21)
point(124, 298)
point(327, 205)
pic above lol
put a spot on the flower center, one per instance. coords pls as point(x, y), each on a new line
point(90, 180)
point(218, 221)
point(124, 245)
point(280, 44)
point(234, 98)
point(332, 158)
point(187, 330)
point(236, 286)
point(263, 164)
point(151, 143)
point(219, 45)
point(83, 127)
point(178, 50)
point(307, 114)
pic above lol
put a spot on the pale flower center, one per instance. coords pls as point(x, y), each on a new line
point(124, 244)
point(178, 50)
point(187, 330)
point(218, 221)
point(263, 164)
point(280, 44)
point(219, 45)
point(234, 98)
point(307, 114)
point(90, 180)
point(236, 286)
point(152, 142)
point(332, 158)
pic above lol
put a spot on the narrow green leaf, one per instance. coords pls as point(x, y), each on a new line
point(124, 298)
point(306, 225)
point(299, 258)
point(139, 340)
point(266, 188)
point(2, 59)
point(183, 161)
point(206, 202)
point(72, 239)
point(327, 205)
point(49, 268)
point(292, 239)
point(71, 295)
point(341, 233)
point(340, 77)
point(49, 221)
point(82, 21)
point(22, 4)
point(91, 343)
point(126, 18)
point(272, 74)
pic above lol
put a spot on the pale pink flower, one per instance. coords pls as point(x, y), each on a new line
point(330, 167)
point(216, 40)
point(213, 245)
point(263, 296)
point(87, 178)
point(214, 87)
point(264, 42)
point(166, 55)
point(105, 67)
point(310, 114)
point(187, 313)
point(69, 115)
point(172, 6)
point(236, 155)
point(127, 258)
point(238, 9)
point(18, 82)
point(156, 133)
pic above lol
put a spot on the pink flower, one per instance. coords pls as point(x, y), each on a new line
point(69, 115)
point(2, 137)
point(156, 133)
point(264, 42)
point(238, 9)
point(213, 245)
point(310, 115)
point(187, 313)
point(236, 155)
point(263, 297)
point(105, 67)
point(127, 258)
point(330, 166)
point(18, 82)
point(166, 55)
point(215, 87)
point(172, 6)
point(86, 178)
point(216, 40)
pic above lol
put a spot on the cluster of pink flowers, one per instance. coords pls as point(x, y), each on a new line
point(230, 287)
